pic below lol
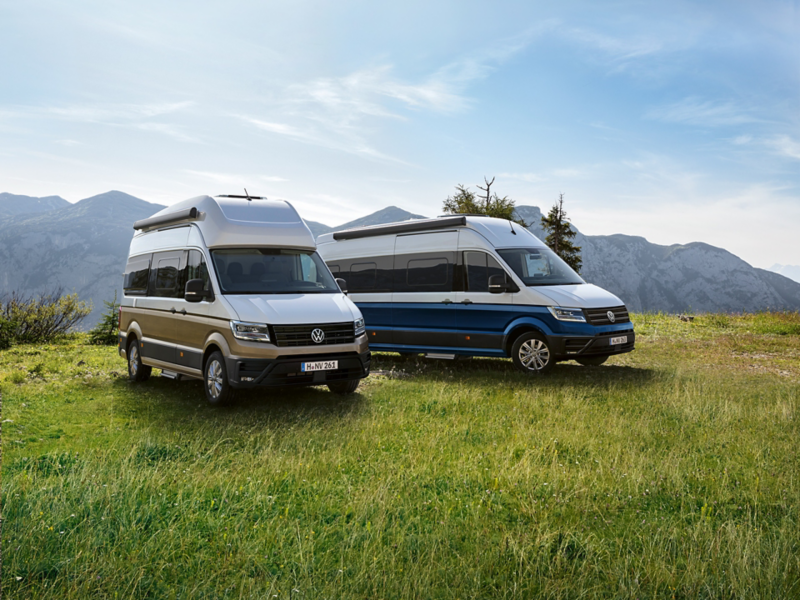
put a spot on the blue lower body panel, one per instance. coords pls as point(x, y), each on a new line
point(485, 330)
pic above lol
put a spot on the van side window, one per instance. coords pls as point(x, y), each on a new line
point(363, 276)
point(334, 267)
point(166, 280)
point(429, 272)
point(479, 267)
point(137, 274)
point(196, 269)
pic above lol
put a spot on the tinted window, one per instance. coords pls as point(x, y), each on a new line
point(363, 276)
point(334, 267)
point(427, 272)
point(137, 273)
point(479, 267)
point(196, 268)
point(167, 277)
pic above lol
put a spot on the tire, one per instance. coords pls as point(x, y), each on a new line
point(215, 380)
point(344, 387)
point(136, 370)
point(532, 354)
point(591, 361)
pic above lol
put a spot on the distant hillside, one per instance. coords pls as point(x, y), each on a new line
point(81, 247)
point(13, 204)
point(317, 228)
point(790, 271)
point(390, 214)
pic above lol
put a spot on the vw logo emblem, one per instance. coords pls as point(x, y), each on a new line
point(611, 316)
point(318, 336)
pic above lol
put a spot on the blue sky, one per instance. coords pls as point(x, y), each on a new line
point(676, 121)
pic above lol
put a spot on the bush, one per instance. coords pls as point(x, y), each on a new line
point(37, 319)
point(105, 332)
point(6, 333)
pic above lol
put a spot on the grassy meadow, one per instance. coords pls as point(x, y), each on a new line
point(670, 472)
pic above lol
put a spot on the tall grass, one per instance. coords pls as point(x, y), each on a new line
point(669, 472)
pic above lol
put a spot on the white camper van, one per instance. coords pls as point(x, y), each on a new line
point(231, 290)
point(475, 286)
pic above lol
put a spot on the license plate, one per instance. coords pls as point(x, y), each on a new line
point(623, 339)
point(320, 365)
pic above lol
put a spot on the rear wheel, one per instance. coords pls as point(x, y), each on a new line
point(344, 387)
point(136, 370)
point(591, 361)
point(532, 354)
point(215, 379)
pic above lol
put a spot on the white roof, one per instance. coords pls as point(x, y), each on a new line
point(498, 232)
point(238, 222)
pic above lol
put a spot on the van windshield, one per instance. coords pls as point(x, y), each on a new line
point(539, 266)
point(272, 271)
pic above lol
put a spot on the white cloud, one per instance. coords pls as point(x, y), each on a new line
point(341, 112)
point(694, 111)
point(785, 146)
point(618, 49)
point(168, 130)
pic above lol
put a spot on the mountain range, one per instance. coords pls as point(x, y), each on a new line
point(790, 271)
point(82, 247)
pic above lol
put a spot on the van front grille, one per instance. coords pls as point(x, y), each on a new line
point(300, 335)
point(599, 316)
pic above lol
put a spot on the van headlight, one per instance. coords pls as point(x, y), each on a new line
point(251, 332)
point(567, 314)
point(359, 325)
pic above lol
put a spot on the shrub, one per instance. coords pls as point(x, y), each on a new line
point(105, 332)
point(37, 319)
point(6, 333)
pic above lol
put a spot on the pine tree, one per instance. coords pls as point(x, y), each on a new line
point(560, 234)
point(105, 332)
point(466, 202)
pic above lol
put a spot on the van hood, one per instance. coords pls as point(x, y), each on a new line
point(293, 309)
point(583, 295)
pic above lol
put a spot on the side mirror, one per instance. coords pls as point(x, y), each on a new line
point(195, 290)
point(342, 284)
point(498, 284)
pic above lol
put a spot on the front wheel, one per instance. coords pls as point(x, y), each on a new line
point(532, 354)
point(136, 370)
point(591, 361)
point(344, 387)
point(215, 380)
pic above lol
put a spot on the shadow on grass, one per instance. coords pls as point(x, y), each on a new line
point(163, 400)
point(168, 403)
point(492, 370)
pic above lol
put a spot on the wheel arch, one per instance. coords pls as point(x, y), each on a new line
point(215, 343)
point(517, 328)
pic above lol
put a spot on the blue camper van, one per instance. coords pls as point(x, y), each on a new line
point(474, 286)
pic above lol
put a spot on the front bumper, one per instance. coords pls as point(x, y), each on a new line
point(286, 371)
point(567, 347)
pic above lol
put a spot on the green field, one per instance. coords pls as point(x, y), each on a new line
point(670, 472)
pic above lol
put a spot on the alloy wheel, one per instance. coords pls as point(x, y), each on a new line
point(214, 379)
point(133, 360)
point(534, 354)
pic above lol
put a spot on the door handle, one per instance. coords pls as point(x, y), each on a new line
point(447, 301)
point(467, 301)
